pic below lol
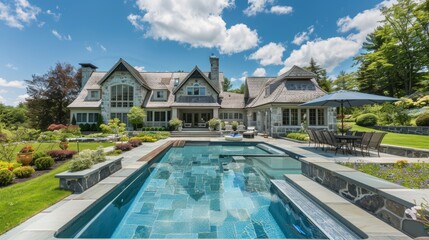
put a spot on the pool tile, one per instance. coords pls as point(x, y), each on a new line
point(147, 208)
point(226, 231)
point(244, 229)
point(142, 232)
point(200, 225)
point(165, 215)
point(164, 204)
point(209, 235)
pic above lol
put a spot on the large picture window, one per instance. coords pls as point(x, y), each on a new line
point(290, 117)
point(196, 90)
point(121, 116)
point(317, 117)
point(81, 117)
point(121, 96)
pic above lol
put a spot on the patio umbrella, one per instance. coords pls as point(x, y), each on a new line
point(349, 99)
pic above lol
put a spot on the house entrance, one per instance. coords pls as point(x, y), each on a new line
point(196, 119)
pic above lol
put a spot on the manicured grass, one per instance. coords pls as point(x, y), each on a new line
point(20, 201)
point(398, 139)
point(411, 175)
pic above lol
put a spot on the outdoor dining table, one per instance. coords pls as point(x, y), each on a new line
point(350, 140)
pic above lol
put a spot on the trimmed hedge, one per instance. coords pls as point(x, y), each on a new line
point(123, 146)
point(299, 136)
point(6, 177)
point(44, 163)
point(23, 172)
point(61, 155)
point(367, 120)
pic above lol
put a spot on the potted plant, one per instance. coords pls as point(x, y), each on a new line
point(234, 125)
point(213, 124)
point(176, 124)
point(25, 155)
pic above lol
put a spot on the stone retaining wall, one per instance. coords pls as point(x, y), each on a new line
point(80, 181)
point(404, 129)
point(404, 151)
point(369, 193)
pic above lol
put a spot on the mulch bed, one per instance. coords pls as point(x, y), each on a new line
point(37, 173)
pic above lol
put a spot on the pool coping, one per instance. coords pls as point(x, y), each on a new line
point(45, 224)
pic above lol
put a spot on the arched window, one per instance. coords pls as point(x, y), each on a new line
point(196, 90)
point(121, 96)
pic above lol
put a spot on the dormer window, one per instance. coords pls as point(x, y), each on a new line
point(176, 82)
point(196, 90)
point(267, 91)
point(160, 95)
point(94, 94)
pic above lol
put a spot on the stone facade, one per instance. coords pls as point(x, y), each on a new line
point(389, 209)
point(78, 182)
point(404, 129)
point(190, 83)
point(121, 77)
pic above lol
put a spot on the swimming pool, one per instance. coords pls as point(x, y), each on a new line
point(201, 190)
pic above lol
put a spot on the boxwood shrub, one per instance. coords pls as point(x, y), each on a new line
point(6, 177)
point(23, 172)
point(423, 119)
point(367, 120)
point(44, 163)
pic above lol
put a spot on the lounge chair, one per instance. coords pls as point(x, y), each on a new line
point(363, 144)
point(375, 142)
point(241, 128)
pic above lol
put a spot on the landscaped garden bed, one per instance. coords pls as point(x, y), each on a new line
point(411, 175)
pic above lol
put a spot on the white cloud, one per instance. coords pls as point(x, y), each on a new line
point(330, 52)
point(327, 53)
point(363, 23)
point(136, 21)
point(140, 68)
point(271, 53)
point(11, 66)
point(21, 13)
point(13, 84)
point(89, 48)
point(56, 16)
point(21, 98)
point(303, 36)
point(257, 6)
point(60, 36)
point(194, 22)
point(104, 49)
point(2, 91)
point(281, 9)
point(260, 72)
point(240, 80)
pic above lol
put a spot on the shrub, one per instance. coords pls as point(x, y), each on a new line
point(148, 139)
point(114, 152)
point(400, 164)
point(124, 146)
point(73, 129)
point(6, 177)
point(44, 163)
point(9, 165)
point(80, 163)
point(214, 123)
point(49, 136)
point(23, 172)
point(298, 136)
point(54, 127)
point(86, 159)
point(124, 139)
point(135, 143)
point(234, 125)
point(423, 119)
point(39, 154)
point(367, 120)
point(98, 155)
point(175, 123)
point(61, 155)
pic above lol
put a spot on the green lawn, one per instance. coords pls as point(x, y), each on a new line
point(406, 140)
point(20, 201)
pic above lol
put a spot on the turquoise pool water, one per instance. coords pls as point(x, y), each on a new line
point(208, 191)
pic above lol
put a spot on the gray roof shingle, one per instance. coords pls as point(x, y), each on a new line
point(232, 100)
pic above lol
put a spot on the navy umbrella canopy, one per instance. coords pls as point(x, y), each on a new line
point(349, 99)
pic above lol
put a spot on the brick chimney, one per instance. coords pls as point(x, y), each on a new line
point(87, 70)
point(214, 68)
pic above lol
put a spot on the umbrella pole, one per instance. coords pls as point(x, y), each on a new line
point(342, 118)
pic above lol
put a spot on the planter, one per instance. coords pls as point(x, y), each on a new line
point(79, 181)
point(24, 158)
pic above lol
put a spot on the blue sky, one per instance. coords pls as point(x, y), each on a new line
point(251, 37)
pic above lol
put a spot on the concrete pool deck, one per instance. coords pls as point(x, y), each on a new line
point(45, 224)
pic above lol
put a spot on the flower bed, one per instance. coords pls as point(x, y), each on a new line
point(411, 175)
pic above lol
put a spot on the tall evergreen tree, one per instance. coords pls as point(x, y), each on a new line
point(51, 93)
point(321, 75)
point(227, 85)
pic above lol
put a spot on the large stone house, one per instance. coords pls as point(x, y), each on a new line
point(270, 104)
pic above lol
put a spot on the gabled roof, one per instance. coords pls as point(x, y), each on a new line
point(204, 76)
point(130, 69)
point(82, 100)
point(295, 73)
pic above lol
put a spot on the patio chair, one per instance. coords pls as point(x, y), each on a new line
point(375, 142)
point(332, 141)
point(320, 138)
point(253, 129)
point(312, 137)
point(241, 128)
point(363, 144)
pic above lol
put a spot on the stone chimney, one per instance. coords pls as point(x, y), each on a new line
point(214, 68)
point(87, 69)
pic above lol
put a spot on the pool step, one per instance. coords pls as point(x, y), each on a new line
point(359, 219)
point(178, 143)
